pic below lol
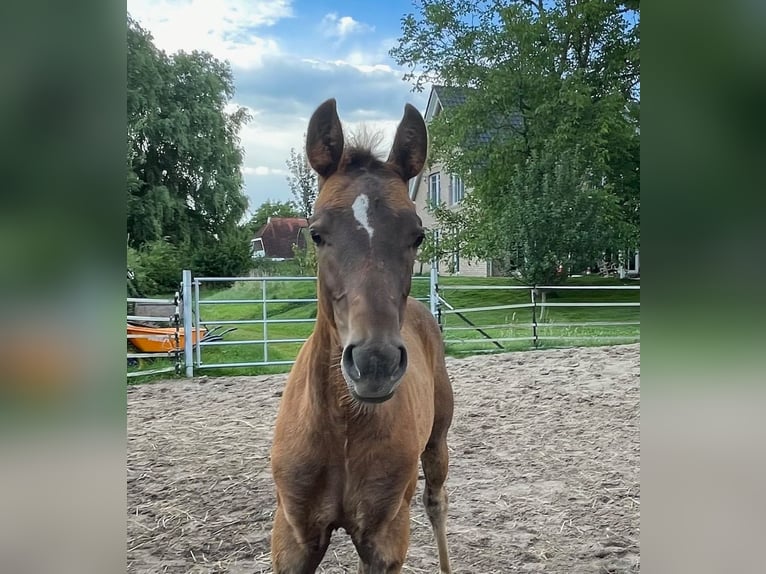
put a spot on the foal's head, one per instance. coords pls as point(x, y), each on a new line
point(367, 232)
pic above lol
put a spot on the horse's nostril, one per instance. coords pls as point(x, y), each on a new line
point(402, 363)
point(349, 365)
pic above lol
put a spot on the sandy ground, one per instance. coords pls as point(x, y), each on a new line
point(544, 473)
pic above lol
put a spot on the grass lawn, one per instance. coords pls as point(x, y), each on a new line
point(560, 326)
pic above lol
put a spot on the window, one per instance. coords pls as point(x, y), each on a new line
point(257, 248)
point(434, 191)
point(456, 190)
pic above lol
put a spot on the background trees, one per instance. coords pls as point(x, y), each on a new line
point(548, 137)
point(183, 161)
point(302, 181)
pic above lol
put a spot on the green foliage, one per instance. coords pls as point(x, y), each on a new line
point(270, 208)
point(306, 259)
point(228, 256)
point(264, 267)
point(183, 158)
point(428, 249)
point(302, 181)
point(549, 127)
point(559, 216)
point(139, 278)
point(549, 218)
point(156, 267)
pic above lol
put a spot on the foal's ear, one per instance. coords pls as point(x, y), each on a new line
point(410, 143)
point(324, 139)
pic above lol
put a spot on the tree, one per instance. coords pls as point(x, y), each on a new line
point(551, 89)
point(184, 181)
point(268, 209)
point(183, 152)
point(229, 256)
point(302, 181)
point(553, 217)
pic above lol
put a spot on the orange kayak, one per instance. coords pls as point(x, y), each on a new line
point(158, 339)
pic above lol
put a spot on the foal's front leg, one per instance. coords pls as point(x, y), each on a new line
point(289, 555)
point(384, 551)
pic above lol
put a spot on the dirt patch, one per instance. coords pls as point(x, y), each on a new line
point(544, 473)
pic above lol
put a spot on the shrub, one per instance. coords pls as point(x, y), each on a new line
point(156, 267)
point(228, 257)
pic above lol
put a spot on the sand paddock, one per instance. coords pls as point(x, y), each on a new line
point(544, 473)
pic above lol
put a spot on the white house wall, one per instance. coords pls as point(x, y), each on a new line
point(468, 268)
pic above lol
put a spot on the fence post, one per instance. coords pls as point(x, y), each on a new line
point(186, 299)
point(436, 310)
point(533, 292)
point(265, 325)
point(434, 291)
point(198, 322)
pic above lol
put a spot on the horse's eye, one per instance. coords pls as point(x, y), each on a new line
point(419, 240)
point(316, 238)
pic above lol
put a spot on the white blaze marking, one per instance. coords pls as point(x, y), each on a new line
point(361, 207)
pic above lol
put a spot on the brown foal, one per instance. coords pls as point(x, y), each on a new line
point(369, 393)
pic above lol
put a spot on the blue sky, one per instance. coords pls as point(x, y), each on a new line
point(287, 57)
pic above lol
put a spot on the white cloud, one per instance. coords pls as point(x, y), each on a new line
point(280, 104)
point(267, 142)
point(268, 139)
point(359, 61)
point(225, 28)
point(279, 81)
point(343, 26)
point(263, 170)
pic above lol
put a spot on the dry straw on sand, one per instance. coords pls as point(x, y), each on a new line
point(544, 475)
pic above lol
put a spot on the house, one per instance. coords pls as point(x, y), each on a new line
point(275, 240)
point(435, 185)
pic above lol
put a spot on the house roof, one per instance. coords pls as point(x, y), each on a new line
point(450, 96)
point(441, 97)
point(445, 97)
point(279, 234)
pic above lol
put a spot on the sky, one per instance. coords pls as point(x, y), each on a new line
point(287, 57)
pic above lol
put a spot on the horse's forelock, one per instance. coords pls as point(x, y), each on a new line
point(362, 153)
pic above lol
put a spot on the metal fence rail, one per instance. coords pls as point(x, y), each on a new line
point(265, 321)
point(252, 320)
point(536, 307)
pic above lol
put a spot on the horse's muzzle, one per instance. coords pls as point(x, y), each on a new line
point(373, 370)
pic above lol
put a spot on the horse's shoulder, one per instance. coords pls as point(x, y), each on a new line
point(420, 320)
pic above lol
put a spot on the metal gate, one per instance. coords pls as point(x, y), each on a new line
point(251, 314)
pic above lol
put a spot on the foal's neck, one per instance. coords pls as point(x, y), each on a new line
point(324, 368)
point(327, 387)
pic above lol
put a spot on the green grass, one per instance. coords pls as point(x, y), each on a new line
point(498, 324)
point(559, 326)
point(275, 290)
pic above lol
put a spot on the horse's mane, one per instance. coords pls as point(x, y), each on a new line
point(363, 149)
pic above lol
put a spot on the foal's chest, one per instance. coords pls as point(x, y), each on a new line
point(344, 481)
